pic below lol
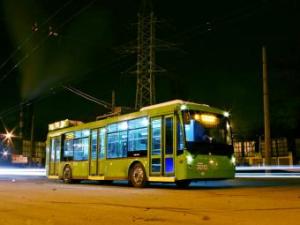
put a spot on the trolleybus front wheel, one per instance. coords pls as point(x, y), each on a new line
point(137, 175)
point(183, 183)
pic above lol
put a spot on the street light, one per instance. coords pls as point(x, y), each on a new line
point(8, 136)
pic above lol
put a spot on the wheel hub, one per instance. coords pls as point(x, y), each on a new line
point(138, 175)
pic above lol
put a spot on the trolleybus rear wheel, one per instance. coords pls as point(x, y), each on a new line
point(67, 175)
point(137, 175)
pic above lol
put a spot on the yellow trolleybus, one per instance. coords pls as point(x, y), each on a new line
point(175, 141)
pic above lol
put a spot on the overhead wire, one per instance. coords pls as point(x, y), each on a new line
point(16, 107)
point(28, 38)
point(210, 25)
point(39, 44)
point(36, 47)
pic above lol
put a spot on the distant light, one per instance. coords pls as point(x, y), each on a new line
point(8, 136)
point(289, 171)
point(295, 168)
point(22, 172)
point(226, 114)
point(5, 153)
point(267, 175)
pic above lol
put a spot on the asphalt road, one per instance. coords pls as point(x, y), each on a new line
point(36, 201)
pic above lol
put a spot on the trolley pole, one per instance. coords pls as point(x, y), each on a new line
point(113, 101)
point(266, 109)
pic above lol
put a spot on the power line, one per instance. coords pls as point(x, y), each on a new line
point(209, 26)
point(78, 13)
point(31, 35)
point(16, 107)
point(44, 40)
point(10, 110)
point(57, 12)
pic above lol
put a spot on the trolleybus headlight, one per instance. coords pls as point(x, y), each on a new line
point(189, 159)
point(233, 160)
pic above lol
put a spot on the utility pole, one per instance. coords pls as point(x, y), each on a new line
point(266, 109)
point(145, 84)
point(21, 127)
point(32, 146)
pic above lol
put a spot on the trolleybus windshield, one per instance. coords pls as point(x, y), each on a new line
point(207, 133)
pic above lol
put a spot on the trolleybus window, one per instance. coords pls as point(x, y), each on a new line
point(76, 145)
point(117, 140)
point(180, 139)
point(94, 144)
point(127, 138)
point(169, 135)
point(138, 137)
point(102, 133)
point(156, 136)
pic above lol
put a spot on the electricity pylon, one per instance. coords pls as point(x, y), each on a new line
point(145, 49)
point(145, 83)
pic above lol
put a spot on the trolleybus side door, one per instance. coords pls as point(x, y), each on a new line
point(162, 146)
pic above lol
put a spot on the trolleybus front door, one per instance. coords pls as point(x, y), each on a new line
point(54, 159)
point(162, 146)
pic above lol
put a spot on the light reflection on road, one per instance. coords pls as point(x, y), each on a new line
point(245, 176)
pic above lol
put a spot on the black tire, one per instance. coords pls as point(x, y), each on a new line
point(106, 182)
point(183, 183)
point(137, 175)
point(67, 175)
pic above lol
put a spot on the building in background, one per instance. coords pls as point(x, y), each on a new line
point(251, 152)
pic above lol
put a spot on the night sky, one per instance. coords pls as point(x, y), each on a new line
point(217, 58)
